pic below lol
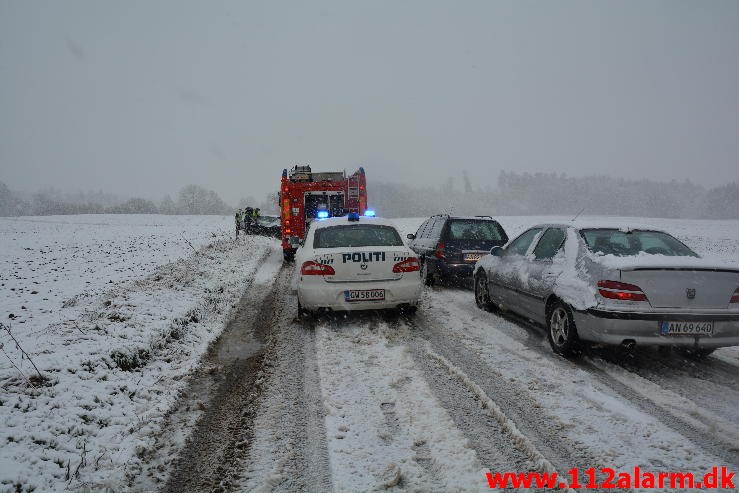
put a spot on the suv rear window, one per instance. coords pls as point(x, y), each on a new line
point(356, 235)
point(473, 229)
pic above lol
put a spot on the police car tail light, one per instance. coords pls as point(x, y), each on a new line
point(311, 268)
point(440, 250)
point(621, 291)
point(408, 265)
point(735, 298)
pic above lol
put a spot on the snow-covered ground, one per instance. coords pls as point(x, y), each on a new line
point(116, 312)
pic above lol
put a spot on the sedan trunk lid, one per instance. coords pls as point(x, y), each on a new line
point(700, 288)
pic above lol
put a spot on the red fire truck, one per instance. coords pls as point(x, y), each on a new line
point(306, 195)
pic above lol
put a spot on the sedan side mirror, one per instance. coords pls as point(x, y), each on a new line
point(496, 251)
point(410, 236)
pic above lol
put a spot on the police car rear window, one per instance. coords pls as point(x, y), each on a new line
point(356, 235)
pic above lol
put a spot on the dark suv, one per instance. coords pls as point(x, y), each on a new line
point(449, 246)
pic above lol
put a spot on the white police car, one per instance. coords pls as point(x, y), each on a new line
point(356, 263)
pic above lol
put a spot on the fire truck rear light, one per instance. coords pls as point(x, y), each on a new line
point(735, 298)
point(410, 264)
point(621, 291)
point(440, 250)
point(312, 268)
point(288, 231)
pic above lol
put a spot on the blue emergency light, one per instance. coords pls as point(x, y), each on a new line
point(369, 213)
point(353, 216)
point(322, 214)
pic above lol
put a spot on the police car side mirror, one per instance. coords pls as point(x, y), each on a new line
point(410, 236)
point(496, 251)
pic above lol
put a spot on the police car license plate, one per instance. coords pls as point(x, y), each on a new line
point(364, 294)
point(687, 328)
point(472, 257)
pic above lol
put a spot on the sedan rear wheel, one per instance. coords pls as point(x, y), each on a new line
point(482, 293)
point(561, 330)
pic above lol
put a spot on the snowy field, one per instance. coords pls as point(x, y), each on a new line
point(93, 297)
point(116, 312)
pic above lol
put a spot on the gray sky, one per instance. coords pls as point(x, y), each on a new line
point(143, 97)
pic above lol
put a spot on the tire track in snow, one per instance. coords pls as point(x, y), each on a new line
point(683, 378)
point(487, 438)
point(288, 451)
point(705, 438)
point(385, 427)
point(201, 387)
point(229, 382)
point(544, 446)
point(696, 397)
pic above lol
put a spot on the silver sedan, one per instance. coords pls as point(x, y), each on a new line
point(615, 286)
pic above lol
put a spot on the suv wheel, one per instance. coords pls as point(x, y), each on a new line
point(427, 277)
point(561, 330)
point(482, 293)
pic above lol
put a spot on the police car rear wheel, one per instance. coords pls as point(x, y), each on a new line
point(302, 312)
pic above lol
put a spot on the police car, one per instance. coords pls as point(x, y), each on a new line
point(356, 263)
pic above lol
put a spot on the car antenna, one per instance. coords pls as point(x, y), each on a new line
point(577, 215)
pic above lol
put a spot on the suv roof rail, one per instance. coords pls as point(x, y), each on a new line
point(489, 217)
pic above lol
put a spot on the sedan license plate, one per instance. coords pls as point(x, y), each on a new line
point(364, 295)
point(472, 257)
point(687, 328)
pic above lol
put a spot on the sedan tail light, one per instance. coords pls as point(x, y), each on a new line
point(410, 264)
point(440, 250)
point(621, 291)
point(311, 268)
point(735, 297)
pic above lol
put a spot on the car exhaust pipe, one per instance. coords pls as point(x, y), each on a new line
point(628, 344)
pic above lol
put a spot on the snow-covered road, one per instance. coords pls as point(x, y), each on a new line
point(255, 399)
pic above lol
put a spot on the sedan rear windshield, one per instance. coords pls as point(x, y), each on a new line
point(472, 229)
point(626, 243)
point(356, 235)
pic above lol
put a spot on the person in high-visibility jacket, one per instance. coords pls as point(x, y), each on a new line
point(238, 217)
point(248, 218)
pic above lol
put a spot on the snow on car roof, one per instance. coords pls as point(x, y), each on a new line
point(478, 218)
point(600, 224)
point(343, 221)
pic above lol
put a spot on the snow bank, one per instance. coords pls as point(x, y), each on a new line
point(127, 310)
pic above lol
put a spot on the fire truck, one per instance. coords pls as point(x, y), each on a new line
point(306, 196)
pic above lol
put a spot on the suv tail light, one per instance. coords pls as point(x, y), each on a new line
point(311, 268)
point(621, 291)
point(410, 264)
point(440, 250)
point(735, 297)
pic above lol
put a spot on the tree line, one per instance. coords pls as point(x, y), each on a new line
point(191, 199)
point(558, 194)
point(513, 194)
